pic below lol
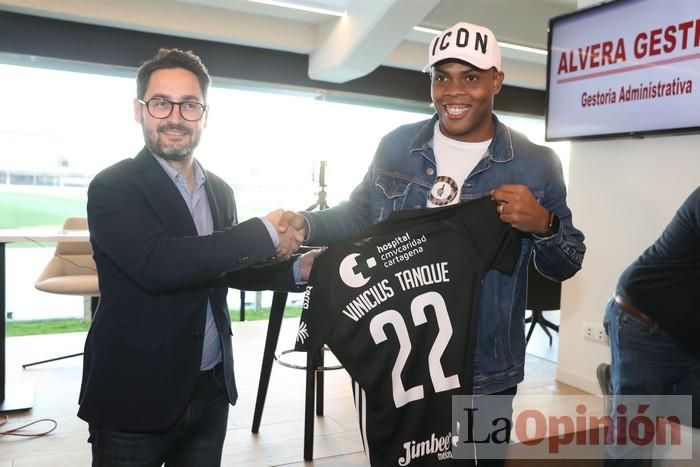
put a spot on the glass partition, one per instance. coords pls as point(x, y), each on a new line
point(62, 124)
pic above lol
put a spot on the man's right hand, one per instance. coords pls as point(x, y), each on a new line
point(293, 220)
point(290, 235)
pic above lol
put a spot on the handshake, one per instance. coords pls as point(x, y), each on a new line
point(291, 229)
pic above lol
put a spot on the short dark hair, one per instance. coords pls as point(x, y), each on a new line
point(172, 58)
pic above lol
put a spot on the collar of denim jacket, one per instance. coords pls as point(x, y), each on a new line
point(500, 149)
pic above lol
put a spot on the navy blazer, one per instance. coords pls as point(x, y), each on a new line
point(143, 350)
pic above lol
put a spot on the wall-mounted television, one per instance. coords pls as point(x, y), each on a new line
point(624, 68)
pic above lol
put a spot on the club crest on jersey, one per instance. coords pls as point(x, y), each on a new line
point(354, 272)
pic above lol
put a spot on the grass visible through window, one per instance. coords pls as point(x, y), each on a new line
point(57, 326)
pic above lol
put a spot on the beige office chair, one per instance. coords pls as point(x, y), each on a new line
point(71, 271)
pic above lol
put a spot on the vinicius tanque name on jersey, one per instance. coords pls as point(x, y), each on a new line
point(419, 276)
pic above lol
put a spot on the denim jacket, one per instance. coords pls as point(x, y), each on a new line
point(400, 177)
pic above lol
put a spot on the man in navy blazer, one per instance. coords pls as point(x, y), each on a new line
point(158, 368)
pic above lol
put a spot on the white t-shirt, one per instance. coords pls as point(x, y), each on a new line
point(455, 160)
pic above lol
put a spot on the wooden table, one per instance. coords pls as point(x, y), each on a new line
point(15, 397)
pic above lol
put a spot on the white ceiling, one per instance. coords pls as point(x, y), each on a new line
point(372, 32)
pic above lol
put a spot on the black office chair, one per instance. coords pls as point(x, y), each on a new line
point(543, 294)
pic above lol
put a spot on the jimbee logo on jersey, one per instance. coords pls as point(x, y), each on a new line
point(355, 271)
point(440, 446)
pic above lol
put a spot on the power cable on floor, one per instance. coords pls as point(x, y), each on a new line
point(4, 419)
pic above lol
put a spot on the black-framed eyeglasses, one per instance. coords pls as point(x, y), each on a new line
point(159, 107)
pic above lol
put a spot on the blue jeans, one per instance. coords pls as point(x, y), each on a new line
point(647, 361)
point(195, 439)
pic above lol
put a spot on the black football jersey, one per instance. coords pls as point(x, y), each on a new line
point(397, 305)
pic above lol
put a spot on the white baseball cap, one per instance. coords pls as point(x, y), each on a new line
point(467, 42)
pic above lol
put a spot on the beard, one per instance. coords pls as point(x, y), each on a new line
point(171, 151)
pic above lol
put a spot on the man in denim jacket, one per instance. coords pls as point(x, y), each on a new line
point(462, 153)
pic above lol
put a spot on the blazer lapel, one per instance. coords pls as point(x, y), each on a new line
point(177, 217)
point(217, 214)
point(216, 211)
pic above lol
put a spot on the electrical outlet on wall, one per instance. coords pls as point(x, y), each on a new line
point(595, 332)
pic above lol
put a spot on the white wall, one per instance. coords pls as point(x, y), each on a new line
point(622, 194)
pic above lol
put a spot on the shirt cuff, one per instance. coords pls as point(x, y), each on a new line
point(307, 226)
point(546, 238)
point(272, 231)
point(296, 269)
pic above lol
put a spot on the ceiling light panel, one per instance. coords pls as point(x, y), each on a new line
point(323, 7)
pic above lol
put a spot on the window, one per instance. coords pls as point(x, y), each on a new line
point(267, 145)
point(61, 127)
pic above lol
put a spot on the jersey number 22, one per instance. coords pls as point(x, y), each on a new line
point(403, 396)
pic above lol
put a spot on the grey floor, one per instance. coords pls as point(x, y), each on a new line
point(280, 441)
